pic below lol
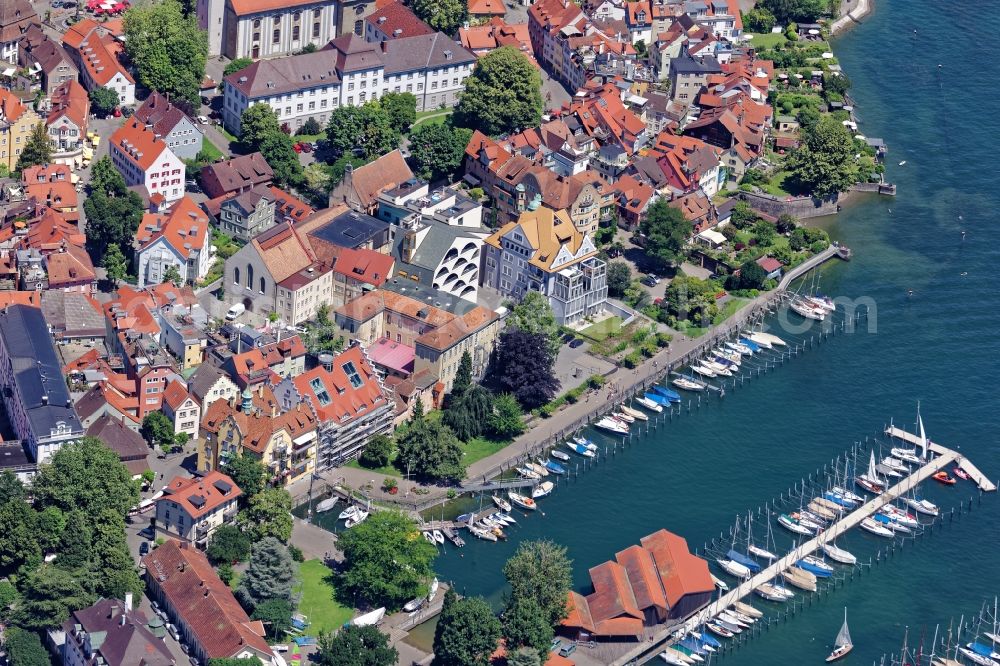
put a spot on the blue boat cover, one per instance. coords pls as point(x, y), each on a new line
point(667, 392)
point(658, 399)
point(691, 644)
point(555, 467)
point(882, 519)
point(709, 639)
point(819, 572)
point(744, 560)
point(979, 648)
point(754, 347)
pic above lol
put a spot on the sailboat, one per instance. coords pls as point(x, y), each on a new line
point(870, 480)
point(838, 554)
point(842, 645)
point(753, 548)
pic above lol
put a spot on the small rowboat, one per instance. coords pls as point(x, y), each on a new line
point(960, 473)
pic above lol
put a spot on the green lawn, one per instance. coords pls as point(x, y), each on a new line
point(211, 151)
point(603, 329)
point(388, 470)
point(308, 138)
point(225, 133)
point(317, 602)
point(768, 40)
point(729, 309)
point(478, 448)
point(436, 116)
point(776, 185)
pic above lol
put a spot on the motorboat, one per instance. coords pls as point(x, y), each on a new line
point(838, 554)
point(413, 604)
point(816, 566)
point(769, 592)
point(739, 348)
point(647, 402)
point(792, 525)
point(580, 449)
point(429, 538)
point(923, 506)
point(527, 473)
point(349, 512)
point(807, 310)
point(501, 503)
point(717, 368)
point(555, 467)
point(507, 518)
point(960, 473)
point(522, 501)
point(368, 619)
point(438, 537)
point(611, 425)
point(842, 644)
point(906, 455)
point(634, 413)
point(944, 477)
point(356, 519)
point(559, 455)
point(719, 583)
point(703, 371)
point(326, 505)
point(542, 489)
point(623, 417)
point(669, 394)
point(500, 519)
point(480, 533)
point(822, 302)
point(733, 568)
point(687, 384)
point(876, 528)
point(800, 578)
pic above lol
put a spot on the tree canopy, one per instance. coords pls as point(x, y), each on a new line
point(247, 472)
point(228, 544)
point(48, 594)
point(87, 476)
point(167, 49)
point(386, 562)
point(540, 570)
point(825, 162)
point(467, 632)
point(270, 575)
point(503, 93)
point(158, 430)
point(268, 514)
point(437, 149)
point(355, 646)
point(758, 19)
point(430, 450)
point(751, 276)
point(24, 648)
point(37, 150)
point(801, 11)
point(507, 420)
point(401, 108)
point(533, 314)
point(444, 15)
point(526, 624)
point(468, 414)
point(523, 365)
point(619, 278)
point(113, 211)
point(666, 230)
point(236, 65)
point(377, 452)
point(103, 101)
point(368, 128)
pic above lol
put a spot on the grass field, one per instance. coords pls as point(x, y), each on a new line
point(434, 116)
point(211, 151)
point(768, 40)
point(776, 185)
point(603, 329)
point(318, 604)
point(475, 450)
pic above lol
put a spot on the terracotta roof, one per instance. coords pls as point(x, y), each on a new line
point(217, 621)
point(283, 250)
point(200, 496)
point(288, 206)
point(79, 31)
point(680, 571)
point(363, 265)
point(480, 142)
point(393, 16)
point(612, 596)
point(645, 583)
point(98, 51)
point(39, 48)
point(158, 111)
point(184, 227)
point(244, 7)
point(175, 394)
point(251, 363)
point(376, 177)
point(69, 100)
point(11, 107)
point(51, 230)
point(70, 266)
point(32, 298)
point(332, 393)
point(487, 8)
point(137, 144)
point(769, 264)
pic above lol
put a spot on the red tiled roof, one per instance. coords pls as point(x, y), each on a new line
point(393, 16)
point(138, 144)
point(680, 571)
point(184, 227)
point(11, 107)
point(175, 394)
point(244, 7)
point(769, 264)
point(193, 589)
point(288, 206)
point(69, 100)
point(71, 266)
point(363, 265)
point(200, 496)
point(487, 8)
point(332, 394)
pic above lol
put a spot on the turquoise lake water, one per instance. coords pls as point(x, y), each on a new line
point(937, 346)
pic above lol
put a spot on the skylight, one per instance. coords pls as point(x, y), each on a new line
point(352, 374)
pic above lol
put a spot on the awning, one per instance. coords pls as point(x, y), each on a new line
point(712, 236)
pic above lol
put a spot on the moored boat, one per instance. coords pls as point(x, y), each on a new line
point(750, 344)
point(944, 477)
point(960, 473)
point(480, 533)
point(816, 566)
point(703, 371)
point(761, 552)
point(326, 505)
point(773, 339)
point(733, 568)
point(687, 384)
point(838, 554)
point(821, 511)
point(634, 413)
point(542, 489)
point(555, 467)
point(580, 449)
point(895, 464)
point(356, 519)
point(501, 503)
point(538, 468)
point(759, 340)
point(718, 630)
point(719, 583)
point(923, 506)
point(527, 473)
point(800, 578)
point(747, 609)
point(876, 528)
point(769, 592)
point(559, 455)
point(438, 537)
point(740, 349)
point(612, 425)
point(906, 455)
point(349, 512)
point(648, 403)
point(522, 501)
point(671, 395)
point(807, 310)
point(793, 525)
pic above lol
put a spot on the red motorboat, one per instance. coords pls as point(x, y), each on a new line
point(960, 473)
point(942, 477)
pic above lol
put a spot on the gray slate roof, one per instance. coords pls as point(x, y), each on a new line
point(37, 372)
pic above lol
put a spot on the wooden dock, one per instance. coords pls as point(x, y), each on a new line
point(649, 650)
point(980, 479)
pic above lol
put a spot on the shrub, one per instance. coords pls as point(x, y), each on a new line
point(631, 360)
point(296, 553)
point(596, 381)
point(663, 339)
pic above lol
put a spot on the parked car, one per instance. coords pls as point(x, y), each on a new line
point(567, 649)
point(127, 111)
point(172, 630)
point(297, 147)
point(144, 548)
point(648, 281)
point(203, 120)
point(147, 533)
point(576, 343)
point(306, 147)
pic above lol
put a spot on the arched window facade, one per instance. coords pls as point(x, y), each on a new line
point(249, 276)
point(262, 283)
point(236, 275)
